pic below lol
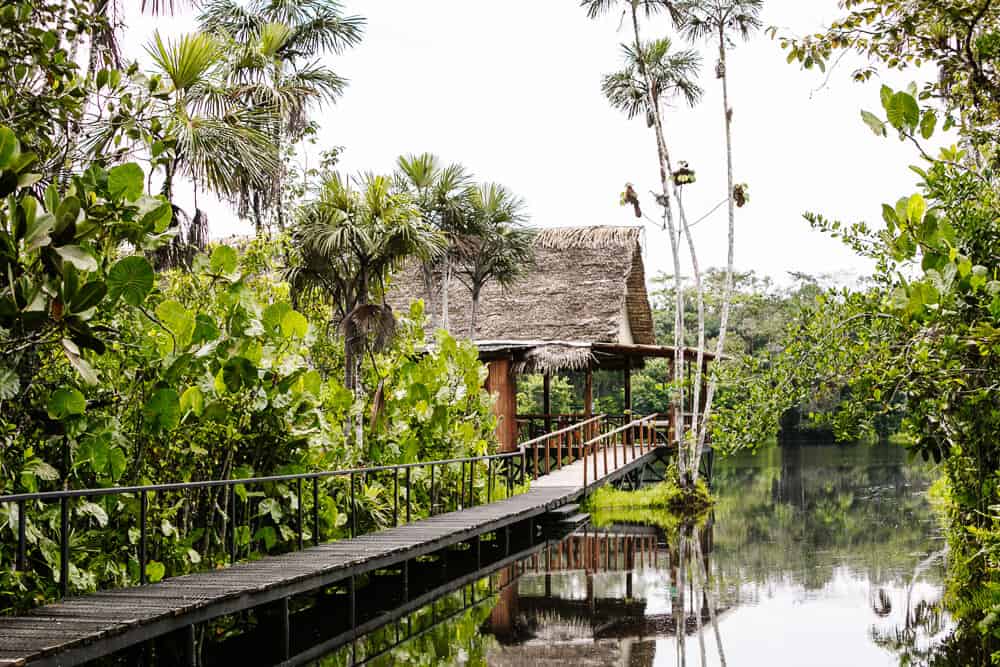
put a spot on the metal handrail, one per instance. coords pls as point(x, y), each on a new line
point(143, 491)
point(179, 486)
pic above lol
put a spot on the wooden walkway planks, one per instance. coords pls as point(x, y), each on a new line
point(79, 629)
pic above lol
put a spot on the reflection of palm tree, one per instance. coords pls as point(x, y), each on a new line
point(882, 605)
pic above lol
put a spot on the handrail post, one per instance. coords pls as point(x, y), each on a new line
point(631, 437)
point(489, 483)
point(548, 455)
point(143, 511)
point(354, 513)
point(614, 449)
point(584, 447)
point(232, 520)
point(604, 447)
point(395, 496)
point(408, 495)
point(430, 511)
point(316, 511)
point(63, 546)
point(472, 483)
point(301, 521)
point(534, 447)
point(22, 524)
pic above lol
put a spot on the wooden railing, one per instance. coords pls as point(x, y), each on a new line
point(533, 426)
point(565, 443)
point(639, 436)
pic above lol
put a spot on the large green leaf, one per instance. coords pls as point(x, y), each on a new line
point(294, 325)
point(88, 296)
point(179, 320)
point(903, 111)
point(10, 383)
point(126, 181)
point(874, 122)
point(239, 372)
point(163, 410)
point(192, 400)
point(223, 260)
point(65, 402)
point(9, 146)
point(131, 279)
point(78, 257)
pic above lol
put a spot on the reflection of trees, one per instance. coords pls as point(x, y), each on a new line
point(913, 642)
point(801, 512)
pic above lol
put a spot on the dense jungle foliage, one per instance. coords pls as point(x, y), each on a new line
point(131, 352)
point(924, 337)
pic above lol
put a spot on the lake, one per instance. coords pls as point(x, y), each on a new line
point(817, 555)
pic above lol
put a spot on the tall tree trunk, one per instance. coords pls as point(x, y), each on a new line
point(445, 289)
point(690, 475)
point(474, 315)
point(665, 170)
point(727, 296)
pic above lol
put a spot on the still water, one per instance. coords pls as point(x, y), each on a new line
point(815, 555)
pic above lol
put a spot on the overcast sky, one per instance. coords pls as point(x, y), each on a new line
point(511, 89)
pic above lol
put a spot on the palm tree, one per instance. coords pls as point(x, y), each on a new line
point(499, 249)
point(218, 143)
point(671, 74)
point(439, 192)
point(709, 19)
point(274, 47)
point(653, 75)
point(347, 243)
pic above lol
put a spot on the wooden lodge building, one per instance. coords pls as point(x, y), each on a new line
point(582, 306)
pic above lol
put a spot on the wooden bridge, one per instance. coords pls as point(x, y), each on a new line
point(563, 467)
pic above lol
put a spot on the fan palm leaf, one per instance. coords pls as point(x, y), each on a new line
point(673, 74)
point(186, 61)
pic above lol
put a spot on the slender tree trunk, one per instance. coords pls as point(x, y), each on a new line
point(474, 314)
point(445, 289)
point(691, 474)
point(727, 296)
point(665, 170)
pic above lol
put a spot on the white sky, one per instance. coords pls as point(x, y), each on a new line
point(511, 88)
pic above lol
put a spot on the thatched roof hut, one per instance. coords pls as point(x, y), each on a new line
point(588, 284)
point(581, 306)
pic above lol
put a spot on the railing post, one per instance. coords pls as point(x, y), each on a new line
point(548, 455)
point(354, 513)
point(301, 521)
point(316, 511)
point(604, 447)
point(534, 448)
point(472, 483)
point(63, 546)
point(631, 437)
point(614, 449)
point(395, 496)
point(430, 511)
point(584, 457)
point(408, 494)
point(22, 524)
point(143, 512)
point(232, 521)
point(489, 483)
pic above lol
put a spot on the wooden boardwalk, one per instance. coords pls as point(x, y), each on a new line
point(83, 628)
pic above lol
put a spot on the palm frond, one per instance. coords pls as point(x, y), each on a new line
point(185, 61)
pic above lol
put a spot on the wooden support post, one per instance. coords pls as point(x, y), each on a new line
point(588, 393)
point(547, 401)
point(628, 385)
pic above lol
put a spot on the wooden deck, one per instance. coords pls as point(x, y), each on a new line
point(83, 628)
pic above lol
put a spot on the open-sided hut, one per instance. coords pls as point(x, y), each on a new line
point(581, 306)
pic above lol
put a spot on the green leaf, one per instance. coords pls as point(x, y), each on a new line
point(131, 279)
point(192, 400)
point(155, 571)
point(268, 534)
point(79, 364)
point(94, 510)
point(65, 402)
point(116, 463)
point(159, 217)
point(903, 111)
point(178, 320)
point(885, 94)
point(67, 214)
point(874, 122)
point(162, 410)
point(10, 383)
point(980, 275)
point(238, 372)
point(915, 210)
point(126, 181)
point(223, 260)
point(9, 146)
point(294, 325)
point(273, 315)
point(78, 257)
point(927, 124)
point(89, 296)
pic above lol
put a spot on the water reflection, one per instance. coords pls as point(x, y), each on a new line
point(814, 555)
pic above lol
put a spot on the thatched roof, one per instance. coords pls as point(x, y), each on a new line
point(587, 285)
